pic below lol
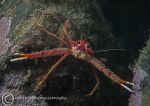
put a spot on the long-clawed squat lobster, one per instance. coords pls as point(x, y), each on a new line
point(79, 49)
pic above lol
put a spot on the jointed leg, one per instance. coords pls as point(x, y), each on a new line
point(96, 85)
point(101, 67)
point(44, 53)
point(62, 36)
point(50, 71)
point(51, 34)
point(66, 25)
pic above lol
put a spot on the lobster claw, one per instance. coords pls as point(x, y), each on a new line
point(124, 83)
point(22, 57)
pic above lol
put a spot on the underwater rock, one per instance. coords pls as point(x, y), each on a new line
point(73, 78)
point(12, 87)
point(5, 23)
point(142, 78)
point(136, 97)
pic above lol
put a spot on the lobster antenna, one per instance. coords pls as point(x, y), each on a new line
point(110, 50)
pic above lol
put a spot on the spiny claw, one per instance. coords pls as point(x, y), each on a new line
point(123, 83)
point(16, 59)
point(127, 88)
point(130, 83)
point(19, 58)
point(18, 54)
point(126, 82)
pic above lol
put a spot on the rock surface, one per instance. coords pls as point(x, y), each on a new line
point(73, 78)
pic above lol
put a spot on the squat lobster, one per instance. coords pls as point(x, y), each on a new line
point(79, 49)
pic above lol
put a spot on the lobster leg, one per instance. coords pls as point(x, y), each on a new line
point(66, 26)
point(50, 72)
point(45, 53)
point(96, 85)
point(51, 34)
point(101, 67)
